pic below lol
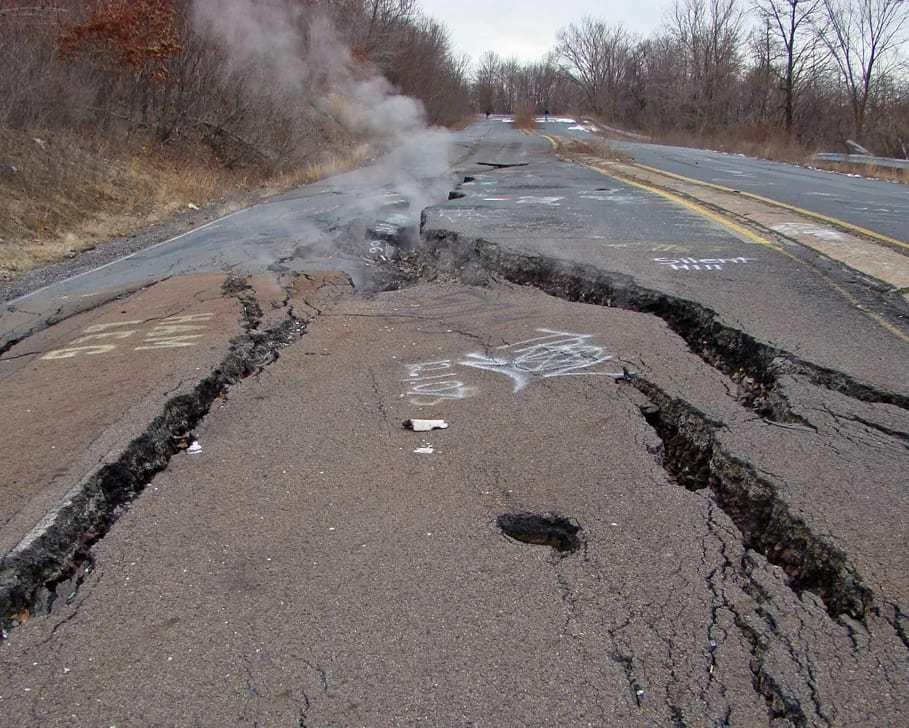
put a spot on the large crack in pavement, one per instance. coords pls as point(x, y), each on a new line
point(57, 555)
point(692, 453)
point(669, 666)
point(696, 460)
point(754, 365)
point(53, 564)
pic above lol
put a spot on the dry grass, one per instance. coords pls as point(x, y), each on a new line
point(753, 141)
point(61, 194)
point(773, 145)
point(524, 118)
point(593, 146)
point(890, 174)
point(331, 164)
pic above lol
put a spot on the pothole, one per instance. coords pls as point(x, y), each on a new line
point(542, 529)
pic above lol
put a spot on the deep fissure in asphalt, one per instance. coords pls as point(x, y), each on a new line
point(691, 455)
point(754, 366)
point(32, 576)
point(695, 460)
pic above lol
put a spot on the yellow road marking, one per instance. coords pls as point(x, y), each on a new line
point(553, 142)
point(770, 201)
point(719, 219)
point(744, 232)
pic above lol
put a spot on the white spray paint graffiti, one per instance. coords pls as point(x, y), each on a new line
point(670, 248)
point(555, 354)
point(385, 227)
point(700, 263)
point(433, 382)
point(611, 196)
point(534, 200)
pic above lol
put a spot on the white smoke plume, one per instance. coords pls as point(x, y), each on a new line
point(300, 54)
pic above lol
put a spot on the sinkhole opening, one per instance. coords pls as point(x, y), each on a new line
point(542, 529)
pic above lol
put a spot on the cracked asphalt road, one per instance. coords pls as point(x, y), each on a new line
point(729, 437)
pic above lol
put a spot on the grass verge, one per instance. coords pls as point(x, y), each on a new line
point(61, 193)
point(764, 143)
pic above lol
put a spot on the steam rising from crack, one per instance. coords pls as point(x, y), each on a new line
point(296, 54)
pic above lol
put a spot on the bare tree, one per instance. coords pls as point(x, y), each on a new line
point(861, 36)
point(790, 21)
point(486, 82)
point(596, 56)
point(383, 16)
point(708, 35)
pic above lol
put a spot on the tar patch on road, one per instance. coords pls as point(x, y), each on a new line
point(546, 529)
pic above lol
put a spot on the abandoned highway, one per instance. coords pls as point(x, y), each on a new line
point(666, 485)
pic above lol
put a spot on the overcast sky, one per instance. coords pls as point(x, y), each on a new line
point(527, 28)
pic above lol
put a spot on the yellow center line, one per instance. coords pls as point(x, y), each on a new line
point(748, 234)
point(770, 201)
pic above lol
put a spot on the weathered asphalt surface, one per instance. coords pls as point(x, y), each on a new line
point(872, 204)
point(94, 381)
point(729, 436)
point(569, 213)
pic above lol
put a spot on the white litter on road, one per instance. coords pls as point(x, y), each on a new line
point(425, 450)
point(194, 448)
point(425, 425)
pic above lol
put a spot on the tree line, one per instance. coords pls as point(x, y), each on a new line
point(269, 81)
point(260, 81)
point(817, 72)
